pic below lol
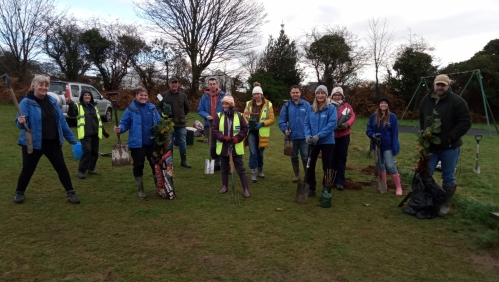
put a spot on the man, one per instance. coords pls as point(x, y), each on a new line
point(455, 122)
point(291, 123)
point(209, 106)
point(176, 105)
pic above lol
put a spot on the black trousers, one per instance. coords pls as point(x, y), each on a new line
point(139, 155)
point(327, 161)
point(53, 151)
point(90, 153)
point(340, 158)
point(238, 164)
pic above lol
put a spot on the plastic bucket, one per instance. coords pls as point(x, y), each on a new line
point(77, 150)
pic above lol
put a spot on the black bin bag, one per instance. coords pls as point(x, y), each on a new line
point(427, 197)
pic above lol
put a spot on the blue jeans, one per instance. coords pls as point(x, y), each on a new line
point(448, 160)
point(256, 154)
point(179, 135)
point(388, 162)
point(302, 146)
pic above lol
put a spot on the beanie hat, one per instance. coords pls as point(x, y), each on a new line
point(336, 90)
point(257, 88)
point(384, 99)
point(321, 88)
point(228, 99)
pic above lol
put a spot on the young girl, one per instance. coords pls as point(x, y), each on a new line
point(319, 128)
point(230, 129)
point(385, 123)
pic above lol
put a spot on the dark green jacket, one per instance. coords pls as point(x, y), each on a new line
point(454, 115)
point(176, 106)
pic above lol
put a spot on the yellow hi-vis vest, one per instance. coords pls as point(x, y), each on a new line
point(236, 127)
point(80, 121)
point(264, 131)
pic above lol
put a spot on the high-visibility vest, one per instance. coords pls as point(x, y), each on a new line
point(264, 131)
point(236, 127)
point(80, 121)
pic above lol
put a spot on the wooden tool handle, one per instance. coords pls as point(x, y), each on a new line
point(6, 80)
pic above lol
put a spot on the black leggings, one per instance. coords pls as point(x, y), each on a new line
point(90, 148)
point(53, 151)
point(139, 155)
point(327, 162)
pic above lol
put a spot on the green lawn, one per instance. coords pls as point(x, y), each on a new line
point(114, 236)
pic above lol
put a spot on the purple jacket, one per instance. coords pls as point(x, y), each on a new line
point(217, 134)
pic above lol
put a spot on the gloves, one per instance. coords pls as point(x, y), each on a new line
point(104, 132)
point(227, 138)
point(315, 139)
point(258, 125)
point(234, 140)
point(309, 140)
point(342, 126)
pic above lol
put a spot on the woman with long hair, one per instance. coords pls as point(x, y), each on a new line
point(383, 127)
point(319, 128)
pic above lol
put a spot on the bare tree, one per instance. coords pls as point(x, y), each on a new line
point(206, 30)
point(250, 60)
point(23, 24)
point(379, 40)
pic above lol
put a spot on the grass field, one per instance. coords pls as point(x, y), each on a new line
point(114, 236)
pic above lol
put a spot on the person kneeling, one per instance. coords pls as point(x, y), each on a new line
point(230, 129)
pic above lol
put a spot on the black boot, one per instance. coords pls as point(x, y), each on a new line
point(183, 161)
point(225, 183)
point(449, 192)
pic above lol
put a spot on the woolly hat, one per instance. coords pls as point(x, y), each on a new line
point(336, 90)
point(384, 99)
point(228, 99)
point(257, 88)
point(321, 88)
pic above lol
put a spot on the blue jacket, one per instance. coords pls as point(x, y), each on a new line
point(204, 106)
point(131, 120)
point(322, 123)
point(33, 113)
point(389, 133)
point(297, 115)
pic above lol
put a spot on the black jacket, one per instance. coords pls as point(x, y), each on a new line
point(454, 116)
point(176, 106)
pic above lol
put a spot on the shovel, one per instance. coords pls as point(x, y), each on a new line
point(478, 137)
point(302, 188)
point(209, 164)
point(119, 152)
point(29, 138)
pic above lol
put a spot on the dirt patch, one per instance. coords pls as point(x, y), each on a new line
point(489, 260)
point(369, 170)
point(352, 185)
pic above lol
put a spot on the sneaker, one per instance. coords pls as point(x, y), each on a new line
point(81, 175)
point(72, 198)
point(339, 187)
point(92, 172)
point(18, 198)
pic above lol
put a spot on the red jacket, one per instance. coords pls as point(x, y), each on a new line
point(340, 109)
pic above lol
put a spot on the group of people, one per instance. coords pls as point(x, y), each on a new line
point(317, 129)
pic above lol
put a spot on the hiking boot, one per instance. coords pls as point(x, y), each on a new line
point(296, 170)
point(449, 192)
point(72, 198)
point(139, 180)
point(81, 175)
point(18, 197)
point(184, 162)
point(253, 173)
point(92, 172)
point(260, 172)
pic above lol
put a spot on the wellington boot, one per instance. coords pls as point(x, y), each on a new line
point(140, 186)
point(260, 172)
point(225, 183)
point(244, 183)
point(449, 192)
point(396, 181)
point(183, 161)
point(253, 173)
point(296, 170)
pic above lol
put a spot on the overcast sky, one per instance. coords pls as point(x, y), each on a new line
point(457, 29)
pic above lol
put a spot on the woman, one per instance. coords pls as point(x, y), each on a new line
point(259, 112)
point(49, 129)
point(346, 118)
point(90, 130)
point(385, 124)
point(319, 127)
point(230, 129)
point(139, 117)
